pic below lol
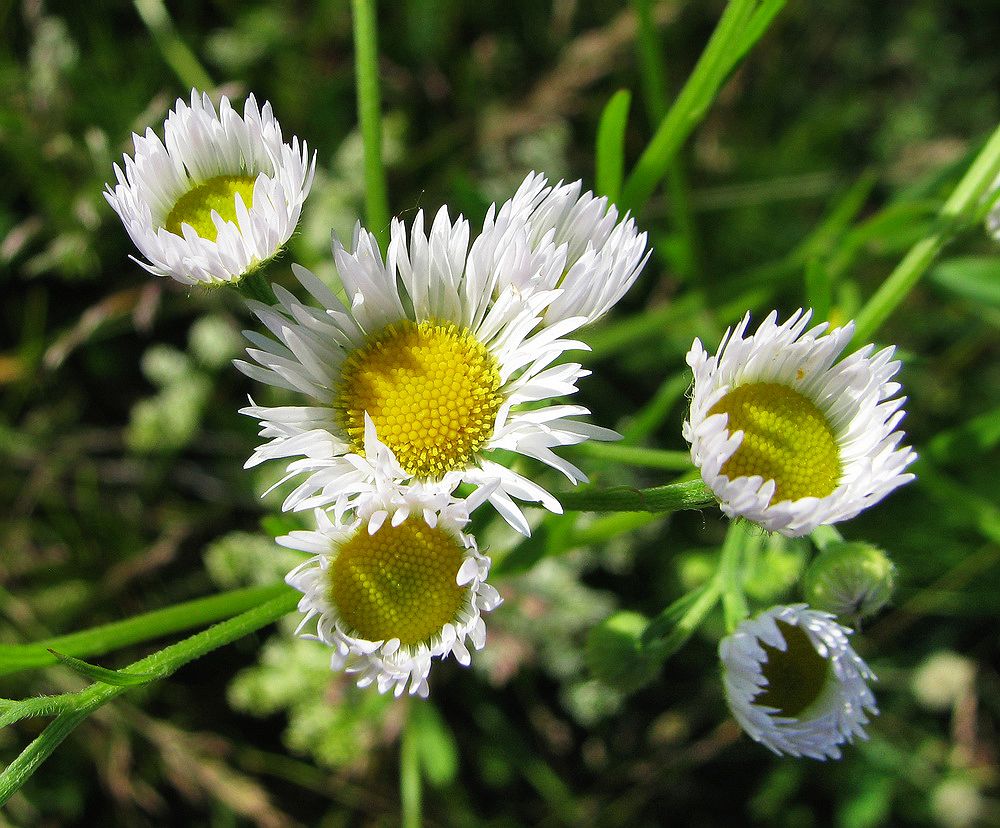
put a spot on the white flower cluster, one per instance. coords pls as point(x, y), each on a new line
point(445, 357)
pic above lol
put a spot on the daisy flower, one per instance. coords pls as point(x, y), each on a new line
point(596, 256)
point(218, 196)
point(398, 587)
point(794, 683)
point(788, 439)
point(449, 367)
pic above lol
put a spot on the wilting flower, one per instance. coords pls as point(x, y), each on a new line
point(218, 196)
point(788, 439)
point(397, 587)
point(448, 370)
point(596, 257)
point(794, 683)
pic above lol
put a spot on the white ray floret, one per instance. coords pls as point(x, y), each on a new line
point(444, 369)
point(227, 187)
point(816, 440)
point(398, 587)
point(796, 657)
point(595, 257)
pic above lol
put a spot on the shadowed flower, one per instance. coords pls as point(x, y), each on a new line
point(794, 683)
point(399, 586)
point(218, 196)
point(788, 439)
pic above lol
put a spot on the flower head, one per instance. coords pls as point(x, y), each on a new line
point(794, 683)
point(788, 439)
point(444, 369)
point(397, 587)
point(219, 195)
point(595, 257)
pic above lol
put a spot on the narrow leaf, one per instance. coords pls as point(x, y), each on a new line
point(102, 674)
point(610, 150)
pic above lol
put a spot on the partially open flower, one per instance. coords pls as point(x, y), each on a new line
point(596, 257)
point(399, 586)
point(794, 683)
point(218, 196)
point(788, 439)
point(449, 374)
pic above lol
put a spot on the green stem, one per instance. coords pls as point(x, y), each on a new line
point(410, 793)
point(175, 51)
point(960, 208)
point(691, 494)
point(255, 285)
point(638, 456)
point(730, 576)
point(156, 624)
point(164, 662)
point(370, 116)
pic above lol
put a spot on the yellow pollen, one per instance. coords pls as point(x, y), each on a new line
point(796, 676)
point(786, 438)
point(219, 194)
point(398, 583)
point(431, 389)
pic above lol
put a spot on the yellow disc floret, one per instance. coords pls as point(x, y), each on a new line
point(786, 438)
point(431, 389)
point(398, 583)
point(796, 676)
point(195, 206)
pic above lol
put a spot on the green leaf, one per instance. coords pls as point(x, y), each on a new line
point(974, 278)
point(610, 149)
point(819, 289)
point(102, 674)
point(615, 652)
point(435, 744)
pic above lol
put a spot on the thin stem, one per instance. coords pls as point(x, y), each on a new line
point(410, 793)
point(639, 456)
point(730, 576)
point(370, 116)
point(156, 624)
point(175, 51)
point(163, 662)
point(960, 208)
point(691, 494)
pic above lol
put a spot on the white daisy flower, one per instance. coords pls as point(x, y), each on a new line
point(445, 371)
point(596, 257)
point(788, 439)
point(794, 683)
point(219, 195)
point(399, 586)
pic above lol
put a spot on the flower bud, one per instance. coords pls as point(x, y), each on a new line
point(850, 580)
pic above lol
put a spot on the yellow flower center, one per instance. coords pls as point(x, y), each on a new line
point(195, 206)
point(796, 676)
point(431, 389)
point(398, 583)
point(786, 438)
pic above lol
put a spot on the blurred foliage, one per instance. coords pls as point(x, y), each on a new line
point(121, 449)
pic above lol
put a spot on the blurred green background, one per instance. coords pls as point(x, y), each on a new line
point(121, 487)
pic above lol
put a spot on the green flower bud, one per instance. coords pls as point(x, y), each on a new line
point(616, 655)
point(850, 580)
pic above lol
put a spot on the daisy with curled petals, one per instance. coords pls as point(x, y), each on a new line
point(786, 436)
point(449, 369)
point(398, 587)
point(218, 196)
point(794, 683)
point(596, 257)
